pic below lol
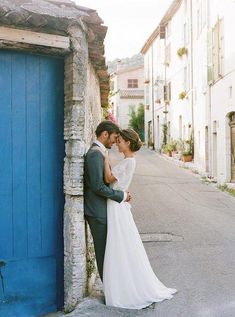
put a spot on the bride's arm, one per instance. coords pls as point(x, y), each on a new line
point(108, 176)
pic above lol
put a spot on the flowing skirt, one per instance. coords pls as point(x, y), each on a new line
point(128, 278)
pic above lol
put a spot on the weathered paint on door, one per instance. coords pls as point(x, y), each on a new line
point(31, 183)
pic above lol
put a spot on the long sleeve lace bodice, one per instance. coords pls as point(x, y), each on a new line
point(123, 172)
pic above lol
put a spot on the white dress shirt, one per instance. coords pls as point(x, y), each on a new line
point(104, 149)
point(101, 145)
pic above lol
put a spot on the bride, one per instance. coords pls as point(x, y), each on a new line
point(128, 279)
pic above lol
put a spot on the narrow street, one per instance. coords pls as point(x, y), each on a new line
point(193, 246)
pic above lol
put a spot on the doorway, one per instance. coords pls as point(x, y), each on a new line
point(31, 183)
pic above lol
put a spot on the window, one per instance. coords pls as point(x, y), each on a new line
point(146, 95)
point(218, 49)
point(201, 17)
point(204, 13)
point(162, 31)
point(185, 34)
point(117, 111)
point(131, 108)
point(169, 91)
point(168, 29)
point(111, 85)
point(132, 83)
point(185, 6)
point(198, 23)
point(168, 54)
point(186, 80)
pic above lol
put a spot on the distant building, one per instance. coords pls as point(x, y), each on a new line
point(166, 77)
point(127, 86)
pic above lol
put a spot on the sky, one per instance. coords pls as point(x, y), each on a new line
point(130, 23)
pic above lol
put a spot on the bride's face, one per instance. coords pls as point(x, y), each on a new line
point(122, 144)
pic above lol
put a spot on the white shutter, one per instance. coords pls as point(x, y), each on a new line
point(209, 57)
point(215, 51)
point(221, 47)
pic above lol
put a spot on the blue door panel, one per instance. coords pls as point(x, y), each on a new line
point(31, 183)
point(33, 154)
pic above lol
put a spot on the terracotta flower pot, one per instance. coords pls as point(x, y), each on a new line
point(187, 158)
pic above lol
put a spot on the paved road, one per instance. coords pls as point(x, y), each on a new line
point(199, 257)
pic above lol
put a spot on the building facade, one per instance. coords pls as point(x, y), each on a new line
point(220, 95)
point(189, 79)
point(127, 85)
point(167, 57)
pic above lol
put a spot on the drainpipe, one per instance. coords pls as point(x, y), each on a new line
point(153, 121)
point(208, 102)
point(166, 88)
point(191, 70)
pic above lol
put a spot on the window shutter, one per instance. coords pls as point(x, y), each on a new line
point(221, 47)
point(209, 57)
point(168, 54)
point(169, 91)
point(162, 31)
point(215, 51)
point(147, 95)
point(166, 93)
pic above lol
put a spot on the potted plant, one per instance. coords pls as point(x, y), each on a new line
point(182, 51)
point(173, 145)
point(182, 95)
point(167, 149)
point(187, 154)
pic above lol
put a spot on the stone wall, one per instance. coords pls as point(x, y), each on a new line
point(86, 86)
point(82, 114)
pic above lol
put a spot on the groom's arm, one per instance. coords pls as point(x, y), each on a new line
point(94, 165)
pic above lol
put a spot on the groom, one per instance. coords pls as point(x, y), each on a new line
point(97, 191)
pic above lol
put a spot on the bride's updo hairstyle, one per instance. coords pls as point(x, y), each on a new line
point(130, 135)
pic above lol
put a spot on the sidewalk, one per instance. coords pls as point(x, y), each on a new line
point(196, 170)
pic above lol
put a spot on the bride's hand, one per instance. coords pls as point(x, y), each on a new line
point(129, 197)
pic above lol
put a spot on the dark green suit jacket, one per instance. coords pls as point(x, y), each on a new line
point(96, 191)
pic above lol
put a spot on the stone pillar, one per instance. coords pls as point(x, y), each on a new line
point(75, 274)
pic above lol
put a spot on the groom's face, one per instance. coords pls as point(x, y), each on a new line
point(111, 139)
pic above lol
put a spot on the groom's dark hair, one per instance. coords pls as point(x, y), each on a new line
point(108, 126)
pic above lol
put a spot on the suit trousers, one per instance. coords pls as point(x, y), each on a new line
point(98, 228)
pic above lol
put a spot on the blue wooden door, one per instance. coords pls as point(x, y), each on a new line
point(31, 184)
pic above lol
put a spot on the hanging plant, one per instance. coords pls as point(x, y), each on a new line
point(182, 95)
point(182, 51)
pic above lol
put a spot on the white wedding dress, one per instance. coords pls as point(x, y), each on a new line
point(128, 279)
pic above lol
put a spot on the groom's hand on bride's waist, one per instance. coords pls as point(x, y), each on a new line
point(128, 197)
